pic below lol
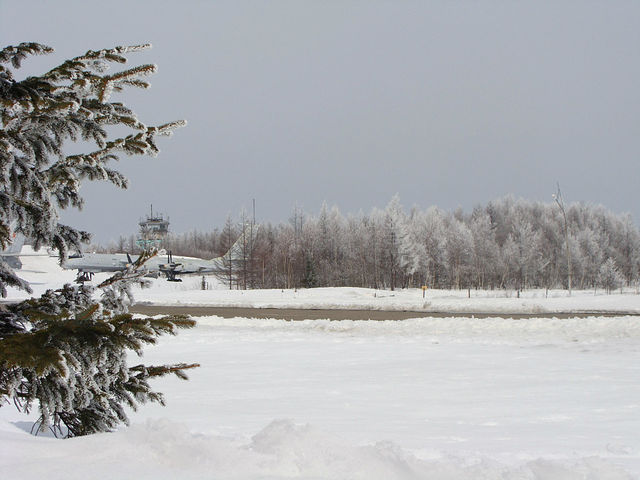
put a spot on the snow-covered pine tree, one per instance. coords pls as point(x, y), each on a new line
point(65, 351)
point(609, 276)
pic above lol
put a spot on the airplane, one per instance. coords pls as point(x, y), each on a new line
point(90, 263)
point(11, 255)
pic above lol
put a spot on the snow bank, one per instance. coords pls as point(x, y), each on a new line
point(578, 332)
point(454, 301)
point(162, 449)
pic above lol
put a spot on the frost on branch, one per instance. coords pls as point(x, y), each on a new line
point(66, 353)
point(37, 115)
point(116, 290)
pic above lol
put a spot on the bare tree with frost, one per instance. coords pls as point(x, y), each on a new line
point(65, 352)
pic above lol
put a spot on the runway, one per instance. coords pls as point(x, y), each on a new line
point(341, 314)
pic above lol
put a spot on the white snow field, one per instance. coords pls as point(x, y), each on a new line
point(427, 398)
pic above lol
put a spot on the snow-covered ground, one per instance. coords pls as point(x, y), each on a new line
point(445, 398)
point(424, 398)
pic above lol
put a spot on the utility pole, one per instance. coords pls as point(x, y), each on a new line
point(559, 200)
point(244, 250)
point(251, 246)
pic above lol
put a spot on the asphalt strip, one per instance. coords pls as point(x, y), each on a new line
point(342, 314)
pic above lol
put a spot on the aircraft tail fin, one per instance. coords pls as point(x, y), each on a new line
point(239, 249)
point(15, 248)
point(11, 253)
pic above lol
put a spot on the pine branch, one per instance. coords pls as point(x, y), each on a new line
point(63, 351)
point(15, 55)
point(162, 370)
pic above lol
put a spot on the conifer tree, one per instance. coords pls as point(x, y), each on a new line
point(65, 352)
point(610, 276)
point(310, 280)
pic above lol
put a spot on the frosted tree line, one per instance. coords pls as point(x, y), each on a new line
point(507, 243)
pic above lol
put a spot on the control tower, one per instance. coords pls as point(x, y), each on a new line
point(153, 229)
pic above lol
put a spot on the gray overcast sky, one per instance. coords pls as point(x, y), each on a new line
point(448, 103)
